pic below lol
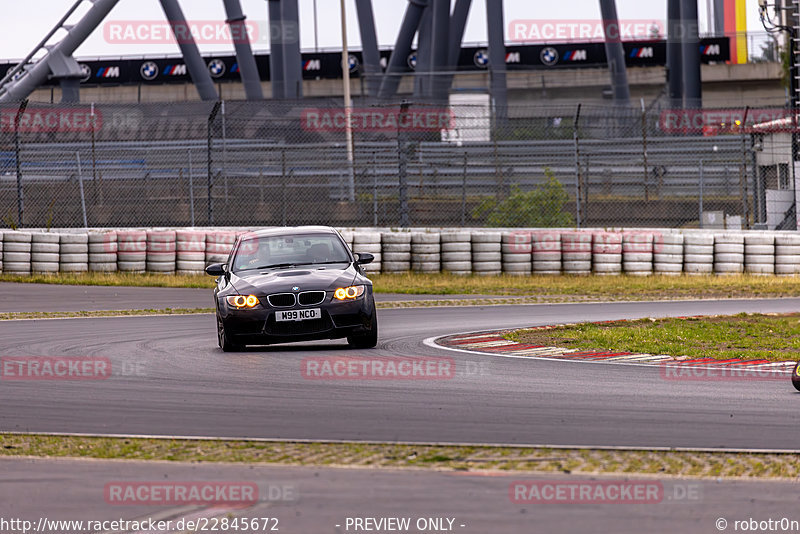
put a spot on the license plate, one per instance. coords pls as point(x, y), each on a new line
point(298, 315)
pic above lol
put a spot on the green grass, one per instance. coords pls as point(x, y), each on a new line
point(565, 287)
point(394, 456)
point(747, 336)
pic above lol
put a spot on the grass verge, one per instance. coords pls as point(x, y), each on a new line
point(462, 458)
point(542, 288)
point(748, 336)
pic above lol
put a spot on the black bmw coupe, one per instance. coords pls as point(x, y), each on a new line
point(293, 284)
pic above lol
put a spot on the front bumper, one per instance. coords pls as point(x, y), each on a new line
point(258, 326)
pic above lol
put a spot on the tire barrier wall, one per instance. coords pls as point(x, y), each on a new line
point(639, 252)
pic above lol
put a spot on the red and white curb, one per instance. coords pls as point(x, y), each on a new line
point(495, 344)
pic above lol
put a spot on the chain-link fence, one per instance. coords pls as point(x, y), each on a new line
point(400, 164)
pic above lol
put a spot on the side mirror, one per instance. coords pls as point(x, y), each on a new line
point(363, 258)
point(216, 269)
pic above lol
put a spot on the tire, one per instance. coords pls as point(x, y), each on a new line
point(456, 256)
point(728, 268)
point(45, 238)
point(224, 341)
point(668, 258)
point(190, 256)
point(46, 248)
point(607, 268)
point(399, 247)
point(481, 257)
point(161, 236)
point(787, 260)
point(786, 240)
point(486, 266)
point(759, 249)
point(189, 265)
point(576, 266)
point(16, 247)
point(546, 266)
point(455, 237)
point(74, 249)
point(160, 266)
point(698, 240)
point(44, 267)
point(787, 250)
point(698, 258)
point(132, 256)
point(426, 267)
point(729, 257)
point(396, 266)
point(74, 267)
point(74, 239)
point(631, 267)
point(425, 249)
point(787, 269)
point(576, 256)
point(44, 257)
point(366, 238)
point(369, 339)
point(728, 248)
point(17, 257)
point(161, 257)
point(426, 258)
point(131, 266)
point(517, 259)
point(107, 267)
point(760, 268)
point(457, 266)
point(102, 237)
point(423, 238)
point(516, 248)
point(759, 259)
point(395, 238)
point(75, 258)
point(14, 267)
point(17, 237)
point(486, 237)
point(607, 259)
point(611, 248)
point(517, 268)
point(796, 377)
point(667, 249)
point(667, 268)
point(637, 257)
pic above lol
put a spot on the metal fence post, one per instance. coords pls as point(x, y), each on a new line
point(576, 139)
point(210, 159)
point(464, 193)
point(20, 194)
point(374, 191)
point(644, 155)
point(403, 147)
point(702, 180)
point(80, 186)
point(191, 188)
point(743, 174)
point(283, 187)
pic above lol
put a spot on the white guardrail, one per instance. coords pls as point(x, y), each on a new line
point(639, 252)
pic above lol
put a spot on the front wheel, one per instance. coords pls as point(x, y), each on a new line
point(224, 339)
point(368, 339)
point(796, 377)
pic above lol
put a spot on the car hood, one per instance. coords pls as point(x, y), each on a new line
point(306, 278)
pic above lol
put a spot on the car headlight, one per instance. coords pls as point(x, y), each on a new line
point(348, 293)
point(242, 301)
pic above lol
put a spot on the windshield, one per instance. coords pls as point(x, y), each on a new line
point(287, 251)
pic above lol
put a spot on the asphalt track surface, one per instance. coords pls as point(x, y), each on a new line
point(171, 379)
point(309, 500)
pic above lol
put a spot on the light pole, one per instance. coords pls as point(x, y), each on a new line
point(348, 106)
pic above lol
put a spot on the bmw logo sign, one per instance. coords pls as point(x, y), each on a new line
point(481, 58)
point(86, 72)
point(353, 63)
point(296, 288)
point(149, 70)
point(549, 56)
point(412, 61)
point(216, 67)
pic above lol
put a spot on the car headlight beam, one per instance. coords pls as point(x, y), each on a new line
point(242, 301)
point(348, 293)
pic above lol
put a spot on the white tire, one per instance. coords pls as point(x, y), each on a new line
point(397, 256)
point(783, 239)
point(576, 256)
point(189, 265)
point(576, 266)
point(759, 239)
point(787, 260)
point(600, 248)
point(667, 267)
point(667, 249)
point(16, 247)
point(759, 259)
point(517, 268)
point(16, 237)
point(759, 249)
point(131, 266)
point(426, 258)
point(161, 257)
point(607, 238)
point(607, 268)
point(426, 267)
point(74, 239)
point(760, 268)
point(399, 247)
point(12, 267)
point(665, 240)
point(460, 266)
point(698, 258)
point(698, 240)
point(728, 267)
point(190, 246)
point(102, 237)
point(729, 258)
point(486, 247)
point(546, 256)
point(425, 238)
point(728, 248)
point(456, 256)
point(483, 266)
point(131, 256)
point(395, 238)
point(74, 258)
point(370, 248)
point(546, 246)
point(44, 267)
point(729, 239)
point(45, 238)
point(457, 247)
point(17, 257)
point(45, 248)
point(787, 250)
point(547, 266)
point(132, 241)
point(220, 238)
point(212, 258)
point(396, 266)
point(668, 258)
point(487, 237)
point(160, 266)
point(45, 257)
point(637, 266)
point(219, 248)
point(425, 249)
point(190, 256)
point(455, 237)
point(486, 256)
point(366, 237)
point(103, 248)
point(607, 259)
point(516, 248)
point(74, 267)
point(697, 249)
point(374, 267)
point(636, 257)
point(102, 258)
point(787, 268)
point(191, 236)
point(517, 258)
point(73, 249)
point(161, 236)
point(98, 267)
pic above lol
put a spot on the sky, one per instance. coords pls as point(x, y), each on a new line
point(24, 27)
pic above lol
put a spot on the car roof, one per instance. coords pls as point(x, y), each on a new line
point(291, 230)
